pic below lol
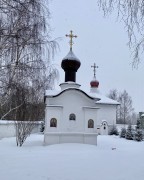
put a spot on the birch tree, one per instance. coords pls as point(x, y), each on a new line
point(131, 12)
point(25, 59)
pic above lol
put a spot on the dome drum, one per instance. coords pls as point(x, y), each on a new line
point(70, 76)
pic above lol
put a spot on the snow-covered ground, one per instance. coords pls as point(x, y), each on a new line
point(113, 159)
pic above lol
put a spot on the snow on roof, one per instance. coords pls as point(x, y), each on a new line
point(106, 100)
point(101, 98)
point(71, 56)
point(142, 115)
point(52, 92)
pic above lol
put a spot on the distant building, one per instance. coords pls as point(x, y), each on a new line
point(73, 115)
point(141, 117)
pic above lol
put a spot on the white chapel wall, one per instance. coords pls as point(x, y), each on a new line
point(72, 102)
point(107, 113)
point(90, 114)
point(53, 112)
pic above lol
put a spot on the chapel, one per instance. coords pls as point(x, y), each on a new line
point(73, 115)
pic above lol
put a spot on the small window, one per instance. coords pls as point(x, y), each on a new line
point(72, 117)
point(53, 122)
point(90, 123)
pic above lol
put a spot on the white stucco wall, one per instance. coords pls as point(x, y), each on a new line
point(71, 101)
point(90, 113)
point(62, 137)
point(85, 108)
point(70, 131)
point(53, 112)
point(107, 112)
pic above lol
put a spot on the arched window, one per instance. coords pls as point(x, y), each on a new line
point(72, 117)
point(90, 123)
point(104, 126)
point(53, 122)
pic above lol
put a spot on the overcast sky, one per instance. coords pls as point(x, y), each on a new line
point(100, 40)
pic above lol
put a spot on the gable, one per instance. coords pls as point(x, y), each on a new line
point(71, 97)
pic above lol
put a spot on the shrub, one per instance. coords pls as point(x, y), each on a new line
point(42, 127)
point(113, 131)
point(123, 133)
point(139, 135)
point(129, 133)
point(138, 125)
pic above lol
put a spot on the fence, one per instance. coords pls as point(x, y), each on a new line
point(7, 128)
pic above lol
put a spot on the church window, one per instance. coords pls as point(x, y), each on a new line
point(72, 117)
point(90, 123)
point(53, 122)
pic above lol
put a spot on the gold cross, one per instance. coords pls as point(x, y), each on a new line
point(71, 36)
point(94, 66)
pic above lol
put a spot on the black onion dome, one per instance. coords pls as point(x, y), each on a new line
point(70, 62)
point(70, 65)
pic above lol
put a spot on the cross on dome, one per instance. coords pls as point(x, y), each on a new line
point(94, 83)
point(94, 66)
point(71, 36)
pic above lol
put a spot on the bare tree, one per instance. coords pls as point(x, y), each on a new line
point(131, 12)
point(125, 112)
point(25, 54)
point(126, 109)
point(25, 49)
point(23, 130)
point(113, 94)
point(134, 118)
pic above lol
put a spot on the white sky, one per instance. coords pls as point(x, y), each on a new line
point(100, 40)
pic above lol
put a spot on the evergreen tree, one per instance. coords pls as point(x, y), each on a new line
point(42, 127)
point(139, 135)
point(113, 131)
point(123, 133)
point(138, 125)
point(129, 134)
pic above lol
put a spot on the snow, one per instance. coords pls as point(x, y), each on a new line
point(101, 98)
point(6, 122)
point(113, 159)
point(71, 56)
point(104, 99)
point(52, 92)
point(142, 115)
